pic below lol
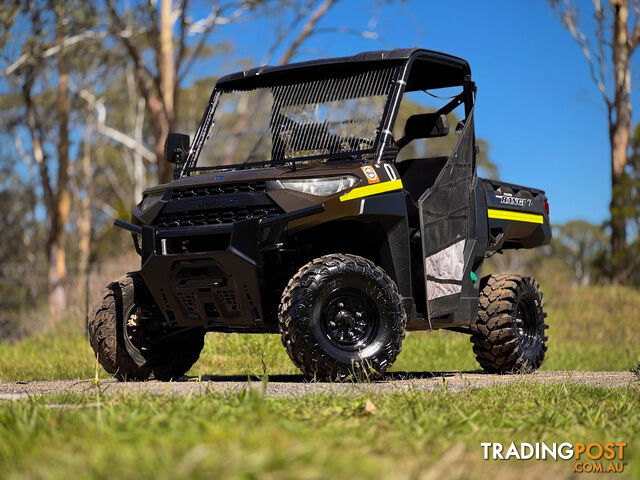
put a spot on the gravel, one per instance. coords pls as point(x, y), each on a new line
point(295, 385)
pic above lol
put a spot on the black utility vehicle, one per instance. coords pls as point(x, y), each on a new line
point(295, 210)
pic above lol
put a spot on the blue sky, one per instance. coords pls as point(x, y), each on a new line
point(537, 105)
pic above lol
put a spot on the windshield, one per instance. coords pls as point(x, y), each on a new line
point(312, 119)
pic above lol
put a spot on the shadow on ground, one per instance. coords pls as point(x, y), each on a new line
point(387, 377)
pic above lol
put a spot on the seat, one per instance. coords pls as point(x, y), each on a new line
point(418, 174)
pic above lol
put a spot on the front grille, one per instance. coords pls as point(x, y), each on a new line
point(229, 298)
point(216, 216)
point(188, 299)
point(219, 189)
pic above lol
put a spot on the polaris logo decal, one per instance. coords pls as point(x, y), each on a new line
point(212, 203)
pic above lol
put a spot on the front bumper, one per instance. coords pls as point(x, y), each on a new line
point(206, 288)
point(211, 276)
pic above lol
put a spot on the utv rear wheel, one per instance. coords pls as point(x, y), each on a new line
point(509, 333)
point(121, 336)
point(341, 317)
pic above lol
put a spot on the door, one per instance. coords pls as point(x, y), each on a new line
point(445, 223)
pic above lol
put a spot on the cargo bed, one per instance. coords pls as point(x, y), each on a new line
point(518, 217)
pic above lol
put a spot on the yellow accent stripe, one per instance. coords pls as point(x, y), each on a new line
point(517, 216)
point(372, 190)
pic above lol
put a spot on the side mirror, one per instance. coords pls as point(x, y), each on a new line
point(176, 148)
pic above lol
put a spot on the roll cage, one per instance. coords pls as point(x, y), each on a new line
point(412, 70)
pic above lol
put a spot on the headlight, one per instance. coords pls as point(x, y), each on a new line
point(149, 201)
point(320, 186)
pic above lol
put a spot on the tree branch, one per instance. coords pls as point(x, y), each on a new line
point(125, 196)
point(368, 34)
point(35, 130)
point(9, 15)
point(203, 28)
point(569, 17)
point(153, 37)
point(634, 39)
point(282, 33)
point(307, 30)
point(51, 51)
point(181, 42)
point(112, 133)
point(142, 73)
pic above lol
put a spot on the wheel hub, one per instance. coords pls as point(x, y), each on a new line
point(526, 326)
point(344, 319)
point(348, 319)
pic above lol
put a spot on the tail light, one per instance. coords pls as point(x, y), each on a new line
point(546, 207)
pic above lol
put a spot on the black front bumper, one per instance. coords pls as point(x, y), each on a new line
point(211, 276)
point(201, 286)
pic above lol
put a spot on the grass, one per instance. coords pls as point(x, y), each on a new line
point(589, 329)
point(409, 435)
point(415, 434)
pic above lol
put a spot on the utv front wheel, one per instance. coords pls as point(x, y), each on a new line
point(122, 336)
point(509, 333)
point(341, 317)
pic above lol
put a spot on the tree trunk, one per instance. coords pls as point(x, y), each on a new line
point(165, 60)
point(84, 216)
point(620, 132)
point(62, 201)
point(138, 108)
point(139, 183)
point(167, 81)
point(160, 126)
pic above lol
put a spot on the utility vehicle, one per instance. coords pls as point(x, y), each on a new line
point(295, 210)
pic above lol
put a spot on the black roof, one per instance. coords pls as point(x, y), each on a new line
point(248, 78)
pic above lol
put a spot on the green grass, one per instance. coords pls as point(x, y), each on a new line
point(589, 329)
point(411, 435)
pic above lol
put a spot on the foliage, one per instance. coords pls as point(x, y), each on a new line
point(408, 434)
point(111, 67)
point(21, 247)
point(608, 49)
point(575, 343)
point(111, 53)
point(414, 434)
point(582, 246)
point(628, 190)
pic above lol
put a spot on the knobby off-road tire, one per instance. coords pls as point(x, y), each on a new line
point(341, 317)
point(509, 333)
point(107, 330)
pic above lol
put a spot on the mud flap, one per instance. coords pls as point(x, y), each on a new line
point(445, 219)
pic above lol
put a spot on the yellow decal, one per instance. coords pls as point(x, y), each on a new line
point(372, 190)
point(370, 173)
point(516, 216)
